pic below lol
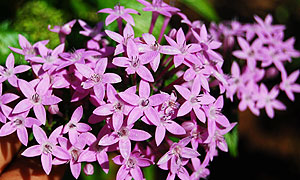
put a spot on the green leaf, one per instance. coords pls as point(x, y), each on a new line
point(174, 139)
point(232, 139)
point(203, 7)
point(149, 172)
point(9, 37)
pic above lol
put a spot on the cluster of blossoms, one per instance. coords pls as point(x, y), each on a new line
point(142, 117)
point(265, 51)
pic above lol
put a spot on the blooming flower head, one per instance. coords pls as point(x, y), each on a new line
point(19, 123)
point(46, 147)
point(63, 30)
point(119, 12)
point(9, 72)
point(36, 98)
point(131, 166)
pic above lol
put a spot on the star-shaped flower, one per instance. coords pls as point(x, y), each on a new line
point(130, 166)
point(288, 84)
point(74, 127)
point(144, 103)
point(96, 78)
point(36, 98)
point(135, 62)
point(46, 147)
point(9, 73)
point(119, 12)
point(194, 101)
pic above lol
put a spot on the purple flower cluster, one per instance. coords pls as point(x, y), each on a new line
point(144, 118)
point(265, 51)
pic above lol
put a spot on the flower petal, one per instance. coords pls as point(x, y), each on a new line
point(39, 134)
point(77, 114)
point(125, 147)
point(60, 153)
point(33, 151)
point(46, 162)
point(23, 106)
point(22, 135)
point(40, 113)
point(138, 135)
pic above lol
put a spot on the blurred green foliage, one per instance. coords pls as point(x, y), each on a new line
point(232, 139)
point(204, 8)
point(33, 19)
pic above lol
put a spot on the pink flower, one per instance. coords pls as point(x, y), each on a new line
point(74, 152)
point(200, 169)
point(19, 123)
point(144, 103)
point(94, 33)
point(130, 166)
point(214, 115)
point(9, 73)
point(153, 49)
point(27, 50)
point(217, 140)
point(74, 127)
point(194, 101)
point(288, 84)
point(268, 100)
point(96, 152)
point(177, 156)
point(208, 45)
point(77, 56)
point(119, 12)
point(46, 147)
point(248, 97)
point(185, 51)
point(135, 62)
point(249, 53)
point(49, 58)
point(36, 98)
point(96, 78)
point(123, 136)
point(128, 33)
point(63, 30)
point(159, 6)
point(5, 99)
point(116, 106)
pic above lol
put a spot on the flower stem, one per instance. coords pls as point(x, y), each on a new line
point(119, 20)
point(153, 21)
point(163, 28)
point(179, 80)
point(166, 68)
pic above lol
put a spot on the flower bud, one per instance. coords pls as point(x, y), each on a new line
point(88, 169)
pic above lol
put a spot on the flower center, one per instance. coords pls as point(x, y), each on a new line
point(177, 150)
point(75, 154)
point(18, 121)
point(196, 99)
point(118, 106)
point(96, 78)
point(144, 102)
point(47, 148)
point(118, 9)
point(197, 68)
point(131, 162)
point(72, 126)
point(155, 46)
point(123, 132)
point(36, 98)
point(8, 72)
point(49, 59)
point(29, 51)
point(135, 62)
